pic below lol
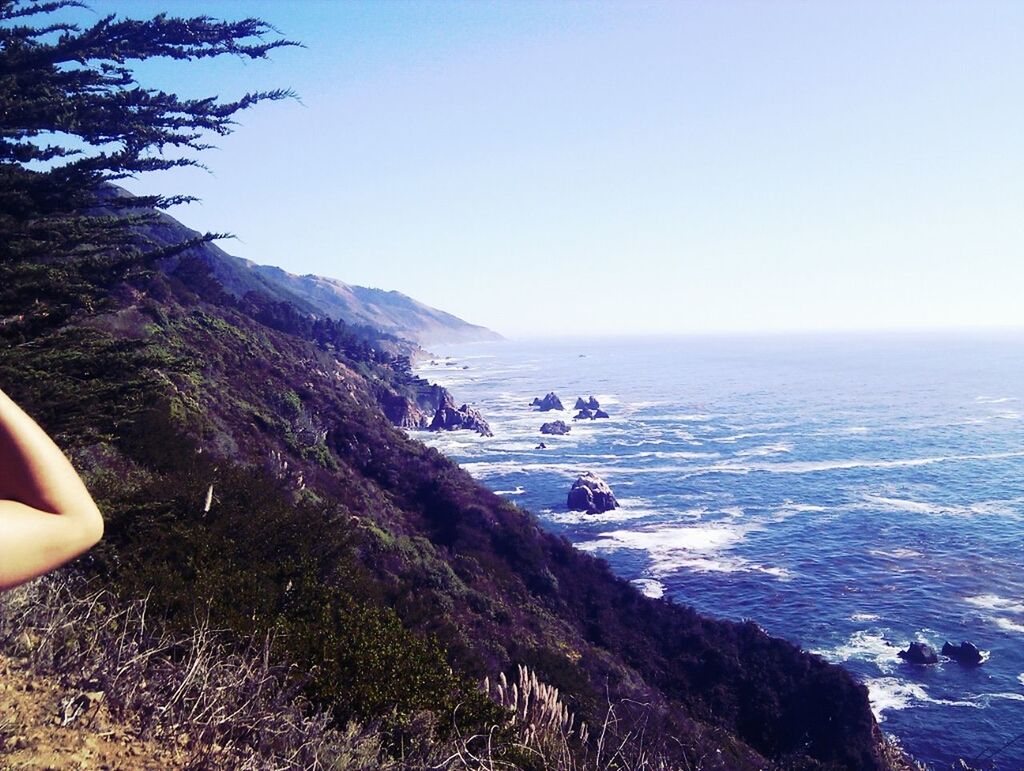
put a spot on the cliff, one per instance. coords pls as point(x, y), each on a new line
point(249, 477)
point(389, 313)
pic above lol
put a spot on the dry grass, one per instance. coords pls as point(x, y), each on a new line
point(222, 707)
point(226, 708)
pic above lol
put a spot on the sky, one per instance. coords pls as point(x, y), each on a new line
point(630, 168)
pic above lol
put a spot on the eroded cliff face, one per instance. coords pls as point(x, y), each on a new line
point(413, 402)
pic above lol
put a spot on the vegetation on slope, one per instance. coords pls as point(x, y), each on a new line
point(250, 480)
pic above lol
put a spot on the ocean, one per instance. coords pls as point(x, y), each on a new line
point(851, 493)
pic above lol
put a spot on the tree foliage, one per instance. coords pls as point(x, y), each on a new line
point(73, 120)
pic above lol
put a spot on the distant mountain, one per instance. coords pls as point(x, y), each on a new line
point(388, 311)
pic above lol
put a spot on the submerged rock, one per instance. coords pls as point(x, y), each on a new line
point(448, 418)
point(919, 653)
point(555, 427)
point(965, 653)
point(541, 446)
point(591, 494)
point(549, 402)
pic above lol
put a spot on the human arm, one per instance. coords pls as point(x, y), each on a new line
point(47, 516)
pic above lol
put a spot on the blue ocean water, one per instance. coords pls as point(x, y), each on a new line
point(849, 493)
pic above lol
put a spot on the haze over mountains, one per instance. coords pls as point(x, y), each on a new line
point(388, 311)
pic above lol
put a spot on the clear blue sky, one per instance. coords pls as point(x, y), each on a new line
point(560, 168)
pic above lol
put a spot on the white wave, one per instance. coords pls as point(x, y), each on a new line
point(862, 617)
point(697, 548)
point(995, 602)
point(902, 504)
point(1020, 678)
point(801, 507)
point(864, 645)
point(806, 467)
point(673, 454)
point(518, 491)
point(736, 437)
point(897, 554)
point(985, 698)
point(649, 587)
point(797, 467)
point(582, 517)
point(908, 506)
point(485, 469)
point(1008, 624)
point(684, 417)
point(891, 693)
point(663, 541)
point(778, 448)
point(994, 399)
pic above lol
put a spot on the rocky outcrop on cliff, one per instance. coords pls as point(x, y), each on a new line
point(415, 404)
point(591, 494)
point(451, 418)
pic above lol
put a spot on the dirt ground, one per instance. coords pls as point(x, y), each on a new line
point(44, 726)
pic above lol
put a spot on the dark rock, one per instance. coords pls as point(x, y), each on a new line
point(416, 404)
point(549, 402)
point(591, 494)
point(402, 411)
point(588, 404)
point(919, 653)
point(448, 418)
point(601, 414)
point(541, 446)
point(580, 404)
point(593, 403)
point(965, 653)
point(557, 428)
point(584, 414)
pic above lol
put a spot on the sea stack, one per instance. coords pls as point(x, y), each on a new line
point(549, 402)
point(919, 653)
point(591, 494)
point(965, 653)
point(555, 428)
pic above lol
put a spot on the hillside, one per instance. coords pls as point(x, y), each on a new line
point(381, 568)
point(389, 312)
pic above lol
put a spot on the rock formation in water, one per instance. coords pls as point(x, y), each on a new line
point(451, 418)
point(965, 653)
point(549, 402)
point(556, 428)
point(591, 494)
point(919, 653)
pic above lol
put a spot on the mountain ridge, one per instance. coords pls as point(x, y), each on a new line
point(388, 311)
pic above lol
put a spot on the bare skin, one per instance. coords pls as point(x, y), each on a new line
point(47, 517)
